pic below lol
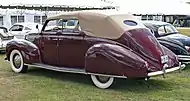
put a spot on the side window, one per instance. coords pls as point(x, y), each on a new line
point(168, 29)
point(53, 26)
point(27, 28)
point(161, 30)
point(65, 26)
point(16, 28)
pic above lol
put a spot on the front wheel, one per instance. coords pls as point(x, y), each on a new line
point(17, 62)
point(102, 82)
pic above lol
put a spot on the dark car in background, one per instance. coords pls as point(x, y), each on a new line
point(168, 36)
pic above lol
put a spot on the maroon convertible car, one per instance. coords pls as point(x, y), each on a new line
point(101, 44)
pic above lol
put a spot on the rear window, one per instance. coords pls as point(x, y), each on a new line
point(130, 23)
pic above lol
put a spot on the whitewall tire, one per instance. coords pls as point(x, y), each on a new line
point(17, 62)
point(102, 82)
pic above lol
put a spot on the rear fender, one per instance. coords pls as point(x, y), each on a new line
point(115, 60)
point(29, 51)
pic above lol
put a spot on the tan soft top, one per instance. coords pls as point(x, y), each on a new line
point(106, 24)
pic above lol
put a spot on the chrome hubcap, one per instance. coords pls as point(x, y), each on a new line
point(17, 61)
point(103, 79)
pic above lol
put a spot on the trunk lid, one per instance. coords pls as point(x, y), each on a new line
point(146, 45)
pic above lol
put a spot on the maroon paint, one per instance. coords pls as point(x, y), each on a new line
point(123, 56)
point(72, 49)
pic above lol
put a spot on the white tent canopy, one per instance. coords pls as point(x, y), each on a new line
point(76, 3)
point(173, 7)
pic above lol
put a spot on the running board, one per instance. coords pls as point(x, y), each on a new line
point(70, 70)
point(60, 69)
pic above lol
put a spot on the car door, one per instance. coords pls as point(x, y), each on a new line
point(16, 30)
point(48, 43)
point(71, 51)
point(72, 48)
point(49, 48)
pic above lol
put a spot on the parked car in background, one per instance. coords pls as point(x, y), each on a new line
point(168, 36)
point(164, 29)
point(20, 30)
point(5, 37)
point(177, 47)
point(103, 44)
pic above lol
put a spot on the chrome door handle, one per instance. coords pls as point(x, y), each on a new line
point(55, 39)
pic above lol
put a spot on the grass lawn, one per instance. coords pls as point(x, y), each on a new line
point(45, 85)
point(184, 30)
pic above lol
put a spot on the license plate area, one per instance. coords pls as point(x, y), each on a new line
point(164, 59)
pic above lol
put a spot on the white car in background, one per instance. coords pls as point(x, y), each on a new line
point(20, 30)
point(5, 37)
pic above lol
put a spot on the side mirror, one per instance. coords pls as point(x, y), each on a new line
point(37, 27)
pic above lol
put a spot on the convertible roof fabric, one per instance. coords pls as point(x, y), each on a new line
point(106, 24)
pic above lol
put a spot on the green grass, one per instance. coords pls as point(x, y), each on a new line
point(184, 30)
point(45, 85)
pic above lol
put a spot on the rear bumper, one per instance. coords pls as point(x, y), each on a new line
point(164, 71)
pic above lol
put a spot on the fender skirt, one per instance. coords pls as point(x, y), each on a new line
point(115, 60)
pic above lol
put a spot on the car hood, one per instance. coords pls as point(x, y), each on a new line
point(182, 38)
point(146, 45)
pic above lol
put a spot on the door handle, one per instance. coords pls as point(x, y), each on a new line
point(55, 39)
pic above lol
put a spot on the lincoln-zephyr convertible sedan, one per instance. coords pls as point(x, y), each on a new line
point(168, 36)
point(103, 44)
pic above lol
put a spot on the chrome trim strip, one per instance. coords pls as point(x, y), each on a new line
point(166, 70)
point(60, 69)
point(184, 57)
point(70, 70)
point(107, 75)
point(186, 62)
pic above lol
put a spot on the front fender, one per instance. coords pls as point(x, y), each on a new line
point(29, 51)
point(113, 59)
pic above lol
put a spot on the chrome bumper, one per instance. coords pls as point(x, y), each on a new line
point(164, 71)
point(184, 58)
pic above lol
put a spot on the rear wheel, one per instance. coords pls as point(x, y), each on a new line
point(17, 62)
point(102, 82)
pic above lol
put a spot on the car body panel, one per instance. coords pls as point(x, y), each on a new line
point(176, 46)
point(29, 50)
point(114, 60)
point(182, 38)
point(133, 53)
